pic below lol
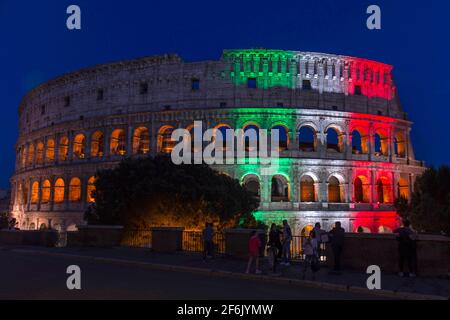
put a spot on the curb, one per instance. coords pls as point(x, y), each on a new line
point(391, 294)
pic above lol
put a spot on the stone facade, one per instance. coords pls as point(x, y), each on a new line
point(358, 160)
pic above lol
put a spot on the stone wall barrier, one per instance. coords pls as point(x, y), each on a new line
point(236, 242)
point(362, 250)
point(167, 239)
point(95, 236)
point(42, 238)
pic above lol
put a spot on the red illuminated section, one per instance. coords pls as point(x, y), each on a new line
point(374, 222)
point(369, 78)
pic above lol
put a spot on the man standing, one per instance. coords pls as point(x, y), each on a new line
point(406, 248)
point(208, 244)
point(287, 238)
point(337, 245)
point(321, 237)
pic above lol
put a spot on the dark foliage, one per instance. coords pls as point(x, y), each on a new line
point(144, 192)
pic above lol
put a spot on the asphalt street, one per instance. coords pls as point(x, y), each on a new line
point(25, 276)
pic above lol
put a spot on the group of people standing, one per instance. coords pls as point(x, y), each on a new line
point(279, 247)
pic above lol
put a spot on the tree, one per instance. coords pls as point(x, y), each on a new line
point(429, 208)
point(146, 192)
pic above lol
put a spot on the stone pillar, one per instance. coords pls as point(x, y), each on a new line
point(87, 149)
point(106, 141)
point(129, 138)
point(52, 192)
point(57, 138)
point(372, 186)
point(70, 136)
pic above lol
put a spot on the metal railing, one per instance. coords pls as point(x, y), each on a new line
point(138, 238)
point(193, 242)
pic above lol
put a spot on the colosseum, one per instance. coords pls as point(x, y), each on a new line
point(345, 145)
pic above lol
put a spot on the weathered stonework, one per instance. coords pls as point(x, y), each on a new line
point(74, 125)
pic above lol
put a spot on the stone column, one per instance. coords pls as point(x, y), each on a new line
point(70, 136)
point(129, 138)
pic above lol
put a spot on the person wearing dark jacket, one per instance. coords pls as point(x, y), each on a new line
point(337, 236)
point(274, 245)
point(406, 248)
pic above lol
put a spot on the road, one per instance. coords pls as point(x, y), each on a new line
point(26, 276)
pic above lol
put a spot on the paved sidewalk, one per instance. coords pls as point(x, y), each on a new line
point(356, 280)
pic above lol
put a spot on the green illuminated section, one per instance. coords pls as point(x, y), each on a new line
point(270, 68)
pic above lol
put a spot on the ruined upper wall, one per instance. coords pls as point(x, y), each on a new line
point(241, 78)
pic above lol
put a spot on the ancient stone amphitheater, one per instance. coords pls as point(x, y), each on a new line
point(345, 146)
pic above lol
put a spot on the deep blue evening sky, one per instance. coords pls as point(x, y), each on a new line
point(35, 46)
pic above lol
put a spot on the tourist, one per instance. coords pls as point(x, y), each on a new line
point(310, 251)
point(208, 244)
point(321, 236)
point(406, 238)
point(337, 236)
point(274, 246)
point(287, 238)
point(254, 246)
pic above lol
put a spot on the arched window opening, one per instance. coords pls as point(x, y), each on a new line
point(35, 192)
point(334, 140)
point(75, 190)
point(97, 145)
point(58, 193)
point(280, 189)
point(334, 190)
point(50, 151)
point(356, 142)
point(78, 146)
point(307, 189)
point(30, 160)
point(118, 142)
point(380, 144)
point(222, 143)
point(251, 183)
point(46, 192)
point(91, 190)
point(403, 188)
point(384, 229)
point(361, 190)
point(306, 231)
point(40, 153)
point(400, 145)
point(283, 137)
point(32, 226)
point(63, 149)
point(307, 139)
point(141, 141)
point(43, 226)
point(383, 190)
point(362, 229)
point(165, 142)
point(251, 138)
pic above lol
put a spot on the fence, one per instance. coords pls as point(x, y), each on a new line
point(193, 242)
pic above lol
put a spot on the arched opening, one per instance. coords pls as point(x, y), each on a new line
point(251, 183)
point(46, 192)
point(280, 189)
point(334, 140)
point(359, 142)
point(78, 146)
point(141, 141)
point(35, 192)
point(362, 229)
point(165, 142)
point(43, 226)
point(380, 144)
point(306, 231)
point(383, 190)
point(50, 151)
point(251, 138)
point(283, 137)
point(63, 149)
point(361, 190)
point(75, 190)
point(400, 144)
point(307, 138)
point(307, 189)
point(384, 229)
point(221, 140)
point(40, 153)
point(91, 190)
point(334, 190)
point(118, 144)
point(30, 159)
point(97, 144)
point(58, 192)
point(32, 226)
point(403, 188)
